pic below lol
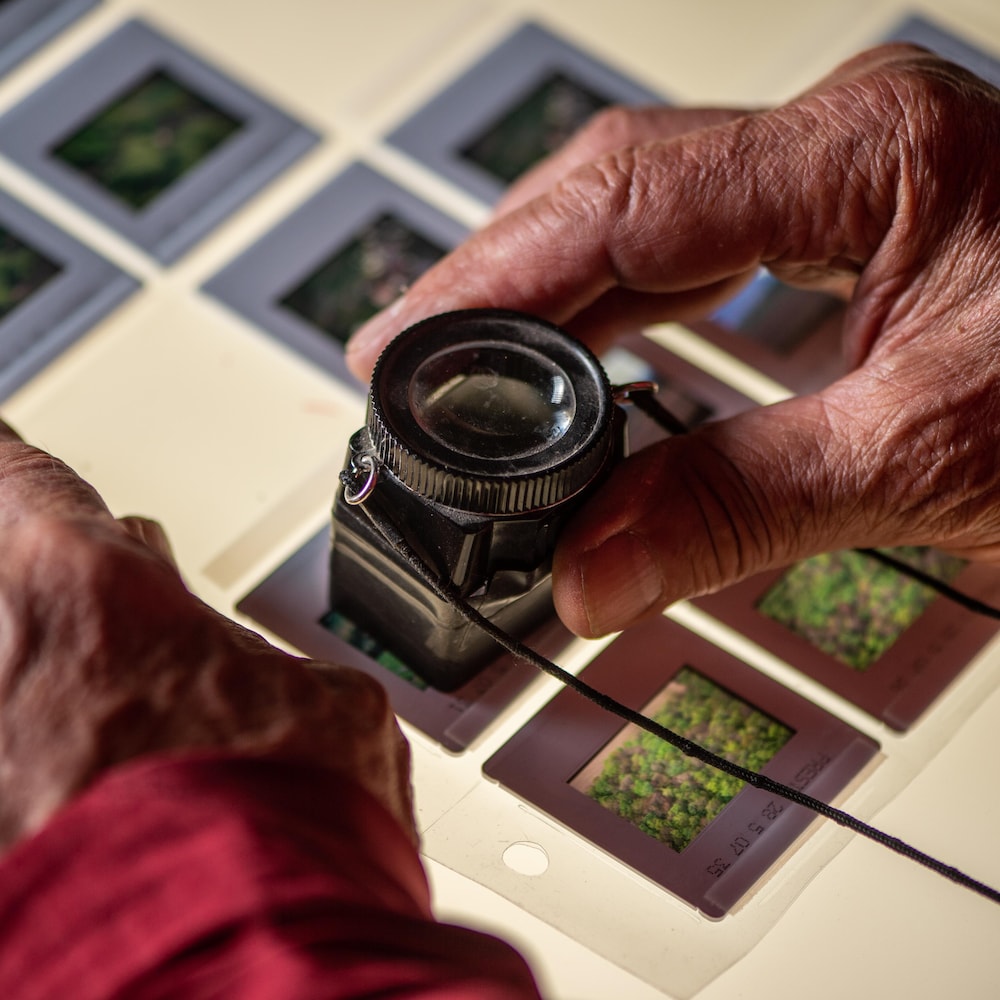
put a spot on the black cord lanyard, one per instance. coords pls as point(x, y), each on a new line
point(443, 588)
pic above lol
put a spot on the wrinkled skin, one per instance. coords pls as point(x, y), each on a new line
point(106, 656)
point(879, 185)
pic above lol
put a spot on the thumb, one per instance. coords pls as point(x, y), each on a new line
point(694, 513)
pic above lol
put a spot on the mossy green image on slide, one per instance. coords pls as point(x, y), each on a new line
point(851, 606)
point(535, 127)
point(342, 627)
point(23, 271)
point(140, 144)
point(660, 790)
point(363, 277)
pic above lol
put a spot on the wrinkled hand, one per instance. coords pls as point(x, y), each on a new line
point(879, 184)
point(106, 656)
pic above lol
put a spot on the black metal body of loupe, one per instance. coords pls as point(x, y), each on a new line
point(485, 430)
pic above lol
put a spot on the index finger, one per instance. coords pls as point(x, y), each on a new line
point(813, 183)
point(33, 482)
point(607, 131)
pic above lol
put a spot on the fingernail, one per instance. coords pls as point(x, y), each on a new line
point(621, 581)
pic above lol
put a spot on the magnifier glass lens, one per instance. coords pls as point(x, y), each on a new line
point(490, 400)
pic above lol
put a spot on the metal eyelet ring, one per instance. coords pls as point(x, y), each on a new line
point(364, 463)
point(625, 393)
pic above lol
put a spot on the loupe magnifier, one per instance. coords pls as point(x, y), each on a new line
point(485, 430)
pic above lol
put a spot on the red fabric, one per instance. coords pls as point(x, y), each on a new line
point(233, 877)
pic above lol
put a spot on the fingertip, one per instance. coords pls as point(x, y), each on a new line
point(367, 342)
point(360, 358)
point(609, 587)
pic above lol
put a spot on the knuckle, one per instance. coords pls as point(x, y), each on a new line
point(598, 185)
point(607, 204)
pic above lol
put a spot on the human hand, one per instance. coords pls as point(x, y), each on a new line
point(879, 184)
point(106, 656)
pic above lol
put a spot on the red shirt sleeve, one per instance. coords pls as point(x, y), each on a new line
point(233, 877)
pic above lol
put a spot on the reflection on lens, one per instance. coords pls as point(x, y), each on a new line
point(486, 399)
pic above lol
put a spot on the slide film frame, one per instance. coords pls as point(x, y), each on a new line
point(291, 602)
point(907, 678)
point(254, 284)
point(729, 856)
point(265, 143)
point(457, 116)
point(26, 25)
point(83, 290)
